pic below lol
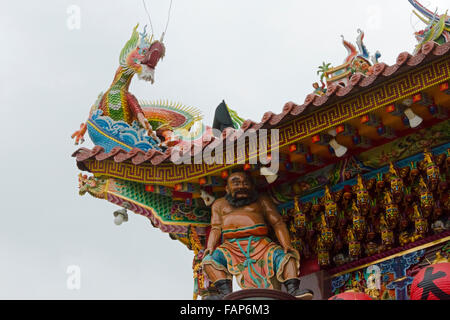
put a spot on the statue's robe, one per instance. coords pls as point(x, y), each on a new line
point(253, 258)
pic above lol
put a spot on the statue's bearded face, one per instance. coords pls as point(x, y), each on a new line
point(240, 190)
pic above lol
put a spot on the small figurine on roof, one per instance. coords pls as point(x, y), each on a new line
point(437, 26)
point(320, 91)
point(356, 62)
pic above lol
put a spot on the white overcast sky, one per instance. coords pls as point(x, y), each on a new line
point(257, 55)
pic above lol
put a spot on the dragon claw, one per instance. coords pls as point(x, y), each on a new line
point(79, 134)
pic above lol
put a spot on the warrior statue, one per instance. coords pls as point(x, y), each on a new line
point(241, 221)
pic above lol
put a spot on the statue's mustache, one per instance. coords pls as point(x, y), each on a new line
point(242, 191)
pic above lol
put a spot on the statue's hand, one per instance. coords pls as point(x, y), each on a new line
point(207, 251)
point(290, 248)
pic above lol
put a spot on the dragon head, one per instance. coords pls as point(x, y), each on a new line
point(141, 54)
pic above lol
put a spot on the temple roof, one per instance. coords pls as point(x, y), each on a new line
point(358, 83)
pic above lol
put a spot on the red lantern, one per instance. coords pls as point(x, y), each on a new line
point(390, 108)
point(444, 86)
point(224, 174)
point(350, 295)
point(365, 119)
point(432, 283)
point(417, 97)
point(315, 138)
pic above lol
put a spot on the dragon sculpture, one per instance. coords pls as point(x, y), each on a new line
point(437, 29)
point(358, 61)
point(118, 119)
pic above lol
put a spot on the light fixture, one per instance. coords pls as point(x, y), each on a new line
point(339, 150)
point(297, 148)
point(207, 198)
point(438, 112)
point(321, 139)
point(414, 119)
point(224, 174)
point(370, 120)
point(395, 109)
point(408, 102)
point(270, 176)
point(292, 148)
point(422, 99)
point(361, 141)
point(445, 87)
point(313, 159)
point(386, 132)
point(411, 118)
point(120, 216)
point(345, 129)
point(184, 187)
